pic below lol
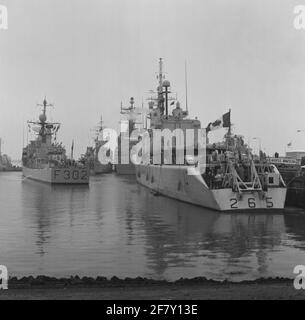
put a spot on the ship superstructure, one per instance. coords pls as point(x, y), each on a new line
point(130, 120)
point(5, 161)
point(44, 159)
point(93, 156)
point(294, 176)
point(230, 178)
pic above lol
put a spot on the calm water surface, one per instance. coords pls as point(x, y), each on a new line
point(116, 227)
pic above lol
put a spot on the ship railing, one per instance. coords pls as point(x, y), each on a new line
point(241, 186)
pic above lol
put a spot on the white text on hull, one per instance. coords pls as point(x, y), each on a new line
point(58, 175)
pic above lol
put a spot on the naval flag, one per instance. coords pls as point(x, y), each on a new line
point(223, 122)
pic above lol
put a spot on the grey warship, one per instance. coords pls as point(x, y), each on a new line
point(45, 160)
point(228, 179)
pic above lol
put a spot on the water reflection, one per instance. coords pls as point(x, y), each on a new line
point(295, 228)
point(117, 227)
point(180, 235)
point(43, 206)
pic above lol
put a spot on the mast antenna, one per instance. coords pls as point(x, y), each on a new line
point(160, 74)
point(230, 124)
point(186, 88)
point(160, 87)
point(45, 105)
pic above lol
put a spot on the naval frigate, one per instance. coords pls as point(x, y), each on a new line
point(230, 179)
point(45, 160)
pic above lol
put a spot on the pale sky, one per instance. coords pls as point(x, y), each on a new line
point(89, 55)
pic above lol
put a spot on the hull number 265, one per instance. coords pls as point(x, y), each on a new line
point(251, 202)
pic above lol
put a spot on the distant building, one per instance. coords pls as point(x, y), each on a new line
point(296, 154)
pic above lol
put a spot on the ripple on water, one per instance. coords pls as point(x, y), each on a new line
point(117, 227)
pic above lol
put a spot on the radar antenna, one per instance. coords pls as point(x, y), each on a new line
point(43, 117)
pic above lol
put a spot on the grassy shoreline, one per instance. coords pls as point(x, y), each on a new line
point(101, 288)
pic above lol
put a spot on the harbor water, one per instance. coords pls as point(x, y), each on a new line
point(115, 227)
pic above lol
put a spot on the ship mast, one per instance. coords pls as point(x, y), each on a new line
point(160, 87)
point(230, 125)
point(99, 129)
point(160, 75)
point(47, 128)
point(43, 116)
point(186, 90)
point(101, 123)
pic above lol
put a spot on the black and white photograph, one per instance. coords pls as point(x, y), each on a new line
point(152, 150)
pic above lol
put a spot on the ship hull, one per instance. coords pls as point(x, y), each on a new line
point(101, 168)
point(125, 169)
point(184, 183)
point(57, 175)
point(296, 192)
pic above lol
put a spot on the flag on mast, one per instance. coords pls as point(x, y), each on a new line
point(223, 122)
point(72, 149)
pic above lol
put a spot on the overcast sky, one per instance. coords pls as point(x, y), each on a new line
point(89, 55)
